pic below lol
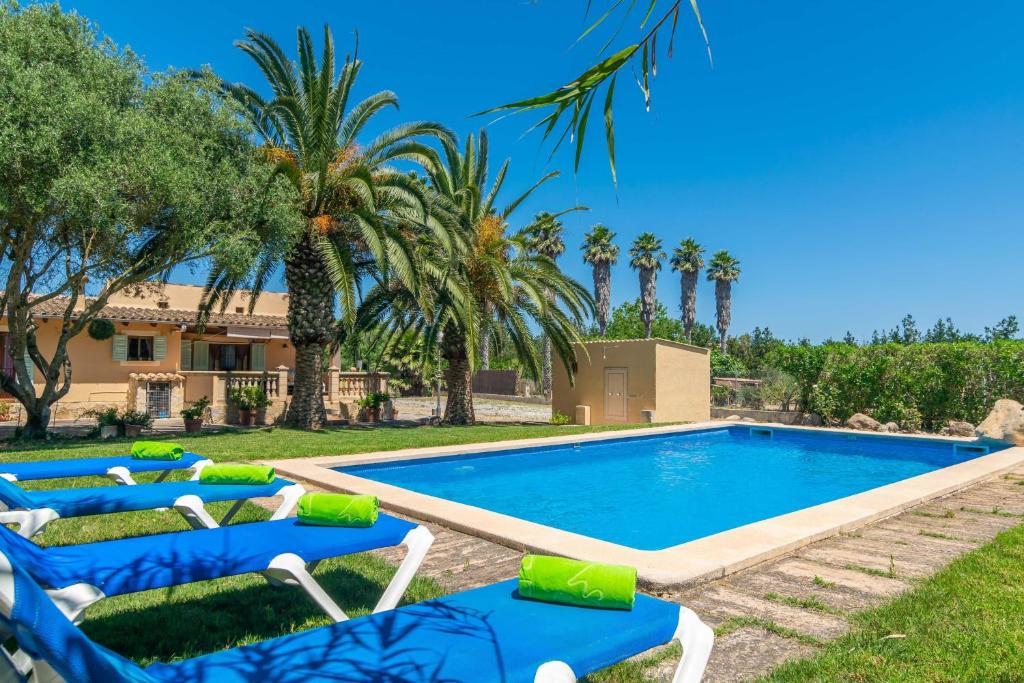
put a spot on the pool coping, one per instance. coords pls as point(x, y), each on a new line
point(678, 566)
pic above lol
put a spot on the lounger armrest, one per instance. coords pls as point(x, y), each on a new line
point(697, 639)
point(8, 476)
point(197, 468)
point(121, 476)
point(30, 522)
point(554, 672)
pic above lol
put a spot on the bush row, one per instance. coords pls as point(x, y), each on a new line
point(916, 385)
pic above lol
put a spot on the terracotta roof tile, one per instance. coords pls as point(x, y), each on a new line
point(55, 308)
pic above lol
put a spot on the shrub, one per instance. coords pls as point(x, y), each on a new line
point(560, 419)
point(724, 365)
point(197, 410)
point(249, 397)
point(915, 385)
point(779, 389)
point(101, 329)
point(134, 417)
point(5, 411)
point(374, 399)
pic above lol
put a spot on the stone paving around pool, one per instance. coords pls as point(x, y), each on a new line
point(789, 606)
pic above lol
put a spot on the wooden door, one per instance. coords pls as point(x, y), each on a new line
point(615, 394)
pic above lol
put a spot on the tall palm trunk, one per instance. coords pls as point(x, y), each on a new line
point(545, 373)
point(458, 409)
point(689, 302)
point(310, 320)
point(648, 297)
point(485, 339)
point(602, 293)
point(723, 311)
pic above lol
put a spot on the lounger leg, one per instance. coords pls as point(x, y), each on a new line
point(697, 639)
point(289, 499)
point(121, 475)
point(233, 511)
point(289, 567)
point(192, 509)
point(197, 468)
point(160, 477)
point(554, 672)
point(418, 542)
point(30, 522)
point(74, 599)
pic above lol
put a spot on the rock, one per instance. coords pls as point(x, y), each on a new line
point(1005, 423)
point(960, 428)
point(733, 418)
point(889, 428)
point(862, 421)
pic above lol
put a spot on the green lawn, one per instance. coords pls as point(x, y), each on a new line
point(277, 442)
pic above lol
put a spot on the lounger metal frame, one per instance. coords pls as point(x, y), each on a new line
point(32, 521)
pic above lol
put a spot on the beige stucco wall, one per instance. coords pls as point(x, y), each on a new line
point(671, 379)
point(187, 298)
point(637, 358)
point(683, 384)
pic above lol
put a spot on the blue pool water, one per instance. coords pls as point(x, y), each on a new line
point(654, 492)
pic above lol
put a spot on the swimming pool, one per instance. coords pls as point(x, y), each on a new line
point(658, 491)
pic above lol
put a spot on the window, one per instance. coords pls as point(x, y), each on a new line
point(229, 357)
point(140, 348)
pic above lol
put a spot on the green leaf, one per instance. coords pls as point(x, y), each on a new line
point(609, 127)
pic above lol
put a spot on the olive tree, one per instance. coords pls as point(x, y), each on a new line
point(112, 177)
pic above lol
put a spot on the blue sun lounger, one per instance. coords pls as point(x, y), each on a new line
point(483, 635)
point(285, 551)
point(119, 468)
point(33, 510)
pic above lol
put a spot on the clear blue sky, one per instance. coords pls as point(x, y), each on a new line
point(862, 160)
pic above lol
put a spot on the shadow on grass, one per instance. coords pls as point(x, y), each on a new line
point(188, 621)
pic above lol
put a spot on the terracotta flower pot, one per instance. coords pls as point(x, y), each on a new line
point(246, 418)
point(193, 426)
point(373, 414)
point(132, 431)
point(261, 416)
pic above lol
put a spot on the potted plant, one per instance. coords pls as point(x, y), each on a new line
point(194, 415)
point(262, 402)
point(108, 421)
point(372, 403)
point(134, 422)
point(248, 399)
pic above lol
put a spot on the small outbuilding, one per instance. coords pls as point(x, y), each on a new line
point(635, 380)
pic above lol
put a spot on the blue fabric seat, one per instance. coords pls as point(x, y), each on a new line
point(481, 635)
point(85, 467)
point(100, 500)
point(127, 565)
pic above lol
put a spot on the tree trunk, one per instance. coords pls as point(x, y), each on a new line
point(689, 302)
point(723, 311)
point(648, 297)
point(37, 419)
point(306, 409)
point(485, 339)
point(310, 322)
point(546, 357)
point(458, 409)
point(602, 293)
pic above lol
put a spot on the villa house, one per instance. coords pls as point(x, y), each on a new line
point(159, 361)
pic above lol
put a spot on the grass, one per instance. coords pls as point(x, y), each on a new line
point(277, 442)
point(965, 623)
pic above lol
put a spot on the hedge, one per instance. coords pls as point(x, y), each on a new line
point(916, 385)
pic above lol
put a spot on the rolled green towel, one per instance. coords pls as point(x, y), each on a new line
point(230, 473)
point(337, 509)
point(157, 450)
point(572, 582)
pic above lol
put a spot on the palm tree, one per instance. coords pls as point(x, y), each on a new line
point(545, 238)
point(483, 267)
point(600, 251)
point(687, 260)
point(645, 256)
point(723, 270)
point(357, 209)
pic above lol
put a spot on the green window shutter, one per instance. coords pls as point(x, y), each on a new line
point(186, 354)
point(258, 356)
point(159, 348)
point(120, 347)
point(200, 355)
